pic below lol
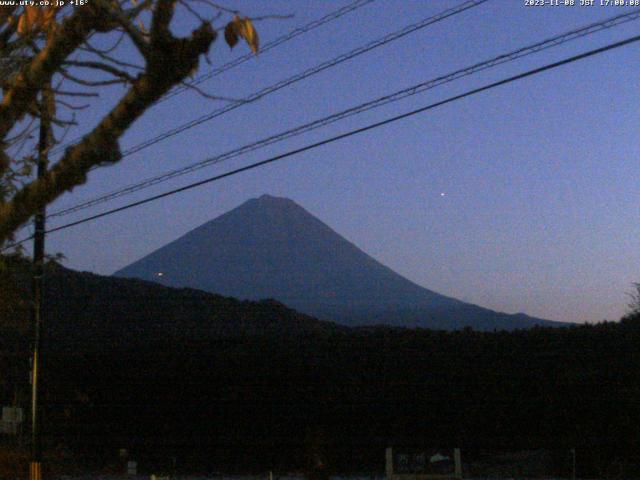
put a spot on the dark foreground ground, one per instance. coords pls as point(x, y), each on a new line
point(212, 384)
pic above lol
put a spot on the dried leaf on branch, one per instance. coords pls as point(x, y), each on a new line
point(242, 28)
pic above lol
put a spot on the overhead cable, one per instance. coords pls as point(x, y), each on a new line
point(394, 97)
point(351, 133)
point(334, 15)
point(304, 75)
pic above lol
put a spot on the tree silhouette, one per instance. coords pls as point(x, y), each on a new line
point(51, 58)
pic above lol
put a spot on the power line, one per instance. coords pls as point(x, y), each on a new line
point(244, 58)
point(372, 126)
point(306, 74)
point(278, 41)
point(341, 136)
point(396, 96)
point(298, 77)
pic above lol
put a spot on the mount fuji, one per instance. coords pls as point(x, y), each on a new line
point(271, 247)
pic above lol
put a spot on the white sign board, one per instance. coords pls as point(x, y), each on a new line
point(12, 414)
point(11, 418)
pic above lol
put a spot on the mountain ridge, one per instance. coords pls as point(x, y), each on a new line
point(271, 247)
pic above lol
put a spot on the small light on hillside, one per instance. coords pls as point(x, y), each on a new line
point(160, 274)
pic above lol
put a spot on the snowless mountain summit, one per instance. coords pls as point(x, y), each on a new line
point(270, 247)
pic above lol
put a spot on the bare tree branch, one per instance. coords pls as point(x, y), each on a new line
point(68, 93)
point(89, 48)
point(170, 61)
point(91, 83)
point(209, 96)
point(110, 49)
point(22, 90)
point(101, 66)
point(125, 22)
point(219, 7)
point(193, 12)
point(71, 106)
point(63, 123)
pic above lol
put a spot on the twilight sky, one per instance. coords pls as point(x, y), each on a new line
point(540, 212)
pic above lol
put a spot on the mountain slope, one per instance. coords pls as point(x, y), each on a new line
point(272, 248)
point(84, 310)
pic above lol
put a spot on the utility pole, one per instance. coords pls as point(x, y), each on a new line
point(35, 470)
